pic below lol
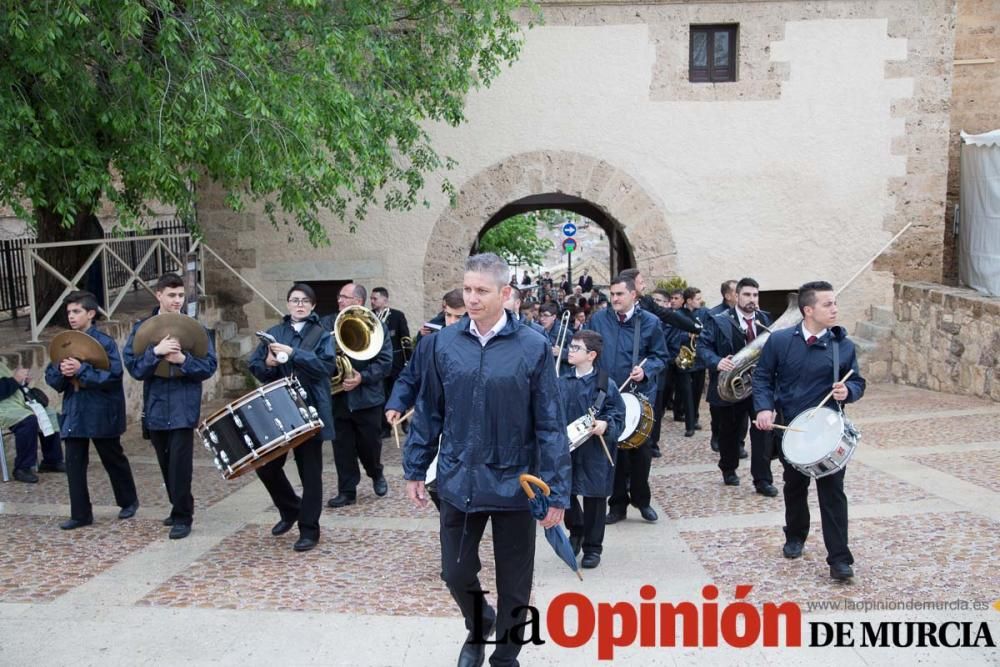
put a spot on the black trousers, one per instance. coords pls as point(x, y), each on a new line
point(115, 463)
point(658, 408)
point(631, 479)
point(514, 558)
point(587, 521)
point(733, 420)
point(689, 387)
point(174, 449)
point(307, 510)
point(358, 437)
point(26, 439)
point(832, 511)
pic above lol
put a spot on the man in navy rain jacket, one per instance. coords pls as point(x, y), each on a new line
point(617, 327)
point(172, 405)
point(795, 372)
point(490, 391)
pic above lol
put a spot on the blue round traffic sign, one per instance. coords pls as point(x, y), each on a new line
point(569, 245)
point(569, 229)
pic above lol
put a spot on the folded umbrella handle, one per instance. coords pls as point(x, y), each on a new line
point(527, 480)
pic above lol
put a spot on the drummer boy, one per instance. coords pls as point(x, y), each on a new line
point(584, 389)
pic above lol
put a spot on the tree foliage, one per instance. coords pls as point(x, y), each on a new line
point(516, 240)
point(303, 105)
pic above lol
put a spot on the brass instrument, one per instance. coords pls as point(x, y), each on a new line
point(406, 345)
point(687, 354)
point(359, 335)
point(561, 337)
point(735, 385)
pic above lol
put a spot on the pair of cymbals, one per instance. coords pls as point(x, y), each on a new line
point(191, 335)
point(80, 346)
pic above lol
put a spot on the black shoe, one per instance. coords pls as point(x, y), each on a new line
point(169, 521)
point(715, 444)
point(688, 433)
point(648, 513)
point(576, 541)
point(590, 561)
point(743, 452)
point(841, 571)
point(766, 489)
point(26, 476)
point(380, 486)
point(731, 479)
point(282, 527)
point(179, 531)
point(129, 512)
point(305, 544)
point(474, 655)
point(614, 517)
point(655, 452)
point(697, 427)
point(341, 500)
point(52, 467)
point(71, 524)
point(792, 549)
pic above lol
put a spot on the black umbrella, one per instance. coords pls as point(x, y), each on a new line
point(539, 503)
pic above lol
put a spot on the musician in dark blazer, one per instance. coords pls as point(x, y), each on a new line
point(172, 405)
point(724, 335)
point(795, 372)
point(310, 352)
point(398, 329)
point(689, 383)
point(618, 327)
point(93, 409)
point(586, 281)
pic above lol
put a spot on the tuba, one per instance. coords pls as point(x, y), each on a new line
point(735, 385)
point(359, 335)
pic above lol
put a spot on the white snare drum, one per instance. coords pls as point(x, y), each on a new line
point(578, 431)
point(822, 443)
point(638, 421)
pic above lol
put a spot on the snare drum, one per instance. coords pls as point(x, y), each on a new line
point(638, 421)
point(259, 427)
point(578, 430)
point(822, 444)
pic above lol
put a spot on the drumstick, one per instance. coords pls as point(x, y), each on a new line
point(787, 428)
point(395, 425)
point(622, 388)
point(406, 416)
point(607, 452)
point(827, 398)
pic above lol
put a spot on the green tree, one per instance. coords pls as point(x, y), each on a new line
point(304, 105)
point(516, 240)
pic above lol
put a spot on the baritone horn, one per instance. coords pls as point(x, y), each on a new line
point(359, 335)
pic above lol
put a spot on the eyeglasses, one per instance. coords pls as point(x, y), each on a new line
point(578, 348)
point(299, 302)
point(344, 297)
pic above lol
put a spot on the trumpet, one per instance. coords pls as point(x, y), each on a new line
point(561, 337)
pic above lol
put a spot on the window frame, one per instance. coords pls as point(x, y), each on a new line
point(711, 73)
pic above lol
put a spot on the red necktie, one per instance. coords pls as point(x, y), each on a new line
point(811, 340)
point(751, 334)
point(621, 317)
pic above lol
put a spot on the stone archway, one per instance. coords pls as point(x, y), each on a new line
point(625, 203)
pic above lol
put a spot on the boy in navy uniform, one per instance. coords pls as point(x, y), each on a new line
point(581, 389)
point(93, 408)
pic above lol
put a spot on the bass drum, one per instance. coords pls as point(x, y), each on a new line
point(638, 421)
point(820, 444)
point(259, 427)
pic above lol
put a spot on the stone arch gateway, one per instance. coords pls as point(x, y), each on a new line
point(621, 198)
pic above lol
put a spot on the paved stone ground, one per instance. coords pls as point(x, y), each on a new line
point(925, 515)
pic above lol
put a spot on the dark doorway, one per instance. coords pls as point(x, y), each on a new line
point(326, 294)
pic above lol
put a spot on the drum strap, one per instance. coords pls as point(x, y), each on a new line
point(635, 338)
point(836, 363)
point(602, 390)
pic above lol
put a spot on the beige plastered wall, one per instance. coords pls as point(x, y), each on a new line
point(834, 137)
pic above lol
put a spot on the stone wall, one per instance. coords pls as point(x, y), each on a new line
point(975, 98)
point(946, 339)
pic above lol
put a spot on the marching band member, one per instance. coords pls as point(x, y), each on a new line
point(490, 392)
point(513, 304)
point(398, 329)
point(93, 408)
point(583, 388)
point(172, 405)
point(308, 352)
point(728, 290)
point(794, 373)
point(689, 382)
point(724, 335)
point(357, 414)
point(620, 328)
point(665, 387)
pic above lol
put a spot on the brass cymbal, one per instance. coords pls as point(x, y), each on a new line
point(78, 345)
point(191, 335)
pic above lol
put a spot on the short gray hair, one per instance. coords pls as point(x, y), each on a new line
point(489, 263)
point(360, 292)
